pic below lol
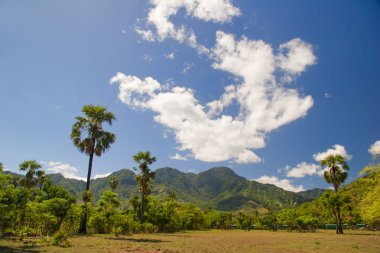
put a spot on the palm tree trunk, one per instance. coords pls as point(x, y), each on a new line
point(339, 228)
point(83, 224)
point(89, 170)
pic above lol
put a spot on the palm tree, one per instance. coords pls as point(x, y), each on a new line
point(32, 168)
point(144, 179)
point(90, 137)
point(336, 175)
point(113, 182)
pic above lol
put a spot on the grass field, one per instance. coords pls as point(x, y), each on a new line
point(210, 241)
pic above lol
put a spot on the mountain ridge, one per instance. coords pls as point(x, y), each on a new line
point(216, 188)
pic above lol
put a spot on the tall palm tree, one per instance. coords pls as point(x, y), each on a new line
point(144, 178)
point(336, 174)
point(90, 137)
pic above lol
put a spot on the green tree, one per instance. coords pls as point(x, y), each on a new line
point(32, 168)
point(90, 137)
point(113, 182)
point(144, 178)
point(336, 175)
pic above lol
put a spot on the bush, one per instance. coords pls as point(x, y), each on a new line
point(60, 239)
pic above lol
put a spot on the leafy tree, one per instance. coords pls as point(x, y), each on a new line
point(113, 182)
point(90, 137)
point(1, 168)
point(336, 175)
point(144, 178)
point(32, 168)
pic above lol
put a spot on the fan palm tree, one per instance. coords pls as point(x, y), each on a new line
point(90, 137)
point(336, 174)
point(144, 178)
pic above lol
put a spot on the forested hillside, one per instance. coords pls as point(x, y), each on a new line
point(217, 188)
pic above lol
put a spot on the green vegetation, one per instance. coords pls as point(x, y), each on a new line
point(217, 188)
point(37, 205)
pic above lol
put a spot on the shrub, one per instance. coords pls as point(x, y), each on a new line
point(60, 239)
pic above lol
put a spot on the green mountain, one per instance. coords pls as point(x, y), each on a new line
point(217, 188)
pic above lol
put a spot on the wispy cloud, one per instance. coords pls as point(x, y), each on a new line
point(170, 56)
point(147, 57)
point(187, 67)
point(180, 157)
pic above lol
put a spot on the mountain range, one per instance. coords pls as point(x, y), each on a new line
point(218, 188)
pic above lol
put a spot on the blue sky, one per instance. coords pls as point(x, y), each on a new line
point(267, 88)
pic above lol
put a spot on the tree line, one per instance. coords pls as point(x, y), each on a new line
point(33, 205)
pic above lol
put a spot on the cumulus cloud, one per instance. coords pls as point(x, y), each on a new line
point(65, 169)
point(211, 136)
point(218, 11)
point(133, 91)
point(281, 183)
point(375, 149)
point(294, 57)
point(335, 150)
point(303, 169)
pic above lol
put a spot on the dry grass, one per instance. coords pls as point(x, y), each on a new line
point(211, 241)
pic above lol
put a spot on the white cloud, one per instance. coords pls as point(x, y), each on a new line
point(179, 157)
point(303, 169)
point(170, 56)
point(327, 95)
point(335, 150)
point(187, 67)
point(294, 57)
point(204, 130)
point(145, 34)
point(67, 170)
point(218, 11)
point(101, 175)
point(133, 91)
point(375, 149)
point(281, 183)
